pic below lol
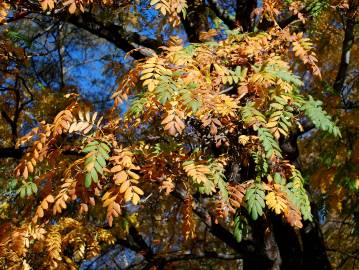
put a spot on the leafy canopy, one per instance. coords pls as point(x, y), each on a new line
point(191, 108)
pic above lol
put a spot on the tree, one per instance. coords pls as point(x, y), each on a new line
point(208, 111)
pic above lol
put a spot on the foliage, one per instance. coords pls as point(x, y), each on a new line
point(193, 113)
point(319, 118)
point(33, 240)
point(170, 86)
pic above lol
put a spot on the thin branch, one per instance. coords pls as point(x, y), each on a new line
point(22, 106)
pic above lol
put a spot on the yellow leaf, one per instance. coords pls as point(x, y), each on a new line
point(87, 116)
point(105, 197)
point(25, 174)
point(30, 167)
point(107, 202)
point(135, 199)
point(44, 204)
point(94, 116)
point(50, 198)
point(276, 202)
point(81, 116)
point(124, 186)
point(120, 177)
point(133, 175)
point(117, 168)
point(154, 2)
point(271, 124)
point(146, 76)
point(128, 195)
point(138, 190)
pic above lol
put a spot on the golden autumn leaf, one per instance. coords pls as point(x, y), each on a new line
point(125, 186)
point(276, 202)
point(128, 194)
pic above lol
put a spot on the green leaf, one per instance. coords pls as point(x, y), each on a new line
point(251, 116)
point(137, 106)
point(33, 187)
point(88, 180)
point(101, 160)
point(277, 106)
point(28, 190)
point(18, 37)
point(90, 159)
point(240, 229)
point(22, 191)
point(165, 89)
point(94, 176)
point(98, 168)
point(93, 143)
point(270, 145)
point(255, 197)
point(278, 179)
point(103, 152)
point(105, 147)
point(298, 195)
point(89, 148)
point(312, 108)
point(219, 179)
point(206, 187)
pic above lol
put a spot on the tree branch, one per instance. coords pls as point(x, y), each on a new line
point(116, 34)
point(292, 18)
point(11, 152)
point(163, 259)
point(345, 56)
point(134, 242)
point(222, 14)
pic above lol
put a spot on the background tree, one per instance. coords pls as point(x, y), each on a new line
point(211, 129)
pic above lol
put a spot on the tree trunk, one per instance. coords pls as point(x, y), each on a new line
point(280, 246)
